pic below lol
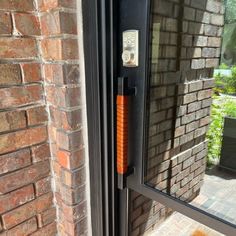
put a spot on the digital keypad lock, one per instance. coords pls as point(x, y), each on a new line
point(130, 48)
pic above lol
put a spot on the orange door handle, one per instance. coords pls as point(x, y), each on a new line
point(122, 134)
point(122, 124)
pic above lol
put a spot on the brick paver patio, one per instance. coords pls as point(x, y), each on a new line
point(217, 196)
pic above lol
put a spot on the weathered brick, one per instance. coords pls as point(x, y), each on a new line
point(37, 115)
point(201, 113)
point(70, 141)
point(73, 178)
point(213, 6)
point(212, 63)
point(200, 131)
point(12, 120)
point(23, 5)
point(57, 22)
point(195, 28)
point(64, 96)
point(18, 96)
point(5, 23)
point(190, 97)
point(198, 63)
point(209, 83)
point(24, 138)
point(206, 102)
point(10, 74)
point(203, 16)
point(14, 161)
point(188, 118)
point(214, 42)
point(194, 106)
point(27, 211)
point(199, 4)
point(186, 138)
point(204, 94)
point(47, 217)
point(179, 131)
point(67, 120)
point(26, 228)
point(209, 52)
point(60, 49)
point(191, 126)
point(31, 72)
point(27, 24)
point(205, 121)
point(16, 198)
point(200, 41)
point(62, 74)
point(45, 5)
point(43, 186)
point(71, 160)
point(40, 152)
point(72, 196)
point(24, 176)
point(18, 48)
point(210, 30)
point(195, 86)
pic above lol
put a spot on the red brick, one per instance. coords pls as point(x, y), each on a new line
point(24, 138)
point(45, 5)
point(43, 186)
point(16, 198)
point(70, 141)
point(48, 230)
point(71, 160)
point(23, 177)
point(27, 24)
point(73, 229)
point(27, 211)
point(41, 152)
point(74, 178)
point(71, 196)
point(31, 72)
point(23, 229)
point(62, 74)
point(12, 120)
point(14, 161)
point(5, 23)
point(18, 96)
point(63, 96)
point(10, 74)
point(37, 115)
point(67, 120)
point(73, 213)
point(54, 23)
point(60, 49)
point(18, 48)
point(22, 5)
point(47, 217)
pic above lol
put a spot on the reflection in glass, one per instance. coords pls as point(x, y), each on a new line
point(191, 152)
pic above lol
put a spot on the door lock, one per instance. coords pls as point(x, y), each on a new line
point(130, 48)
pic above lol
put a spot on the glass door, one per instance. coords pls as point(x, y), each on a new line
point(182, 116)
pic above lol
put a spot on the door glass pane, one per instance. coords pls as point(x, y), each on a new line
point(191, 104)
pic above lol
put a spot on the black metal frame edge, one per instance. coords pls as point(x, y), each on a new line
point(98, 49)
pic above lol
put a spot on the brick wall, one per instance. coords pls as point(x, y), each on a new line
point(180, 99)
point(41, 140)
point(25, 191)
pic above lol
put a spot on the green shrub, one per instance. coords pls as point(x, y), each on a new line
point(226, 84)
point(221, 107)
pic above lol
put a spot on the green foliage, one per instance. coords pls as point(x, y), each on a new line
point(223, 66)
point(226, 84)
point(221, 107)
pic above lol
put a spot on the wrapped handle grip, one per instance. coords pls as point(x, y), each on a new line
point(122, 134)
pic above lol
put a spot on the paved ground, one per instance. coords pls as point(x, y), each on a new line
point(217, 196)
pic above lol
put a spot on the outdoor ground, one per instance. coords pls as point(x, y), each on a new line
point(217, 196)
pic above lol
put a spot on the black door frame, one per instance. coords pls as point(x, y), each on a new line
point(101, 57)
